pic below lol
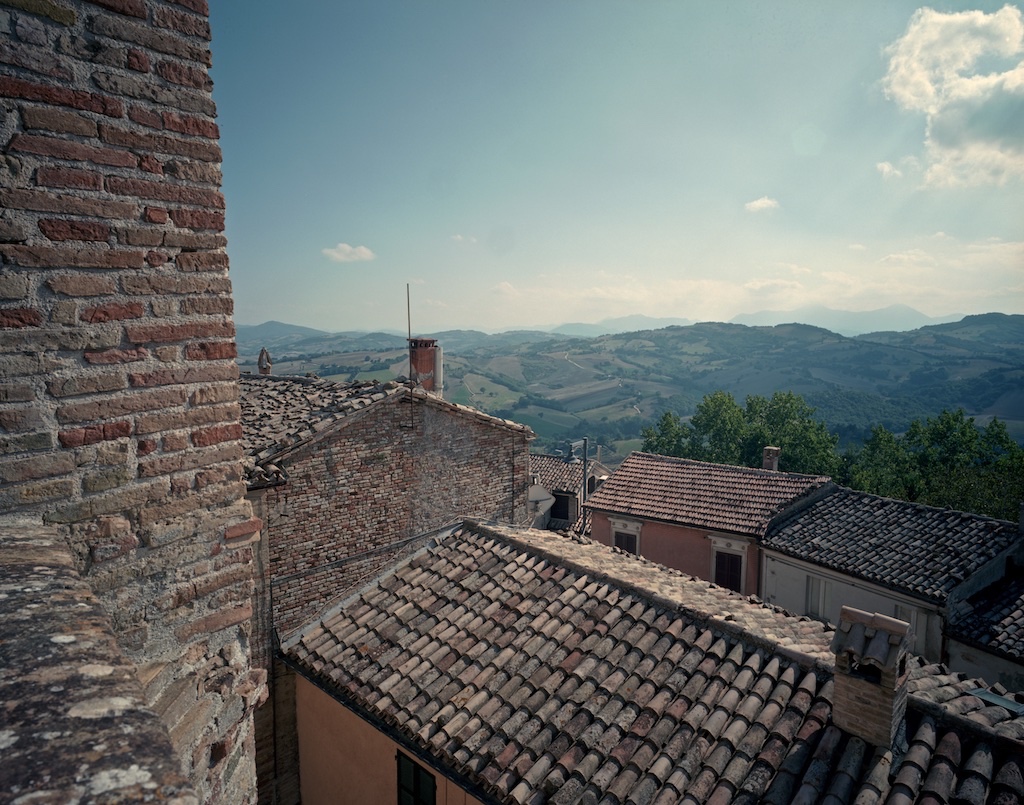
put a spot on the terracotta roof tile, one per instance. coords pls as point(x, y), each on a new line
point(994, 618)
point(666, 688)
point(677, 490)
point(922, 550)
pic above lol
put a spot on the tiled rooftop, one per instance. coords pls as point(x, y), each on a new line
point(995, 618)
point(919, 549)
point(555, 473)
point(695, 493)
point(544, 669)
point(281, 412)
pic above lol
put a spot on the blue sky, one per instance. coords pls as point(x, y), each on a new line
point(531, 163)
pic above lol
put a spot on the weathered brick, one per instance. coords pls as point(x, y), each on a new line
point(216, 435)
point(34, 493)
point(114, 311)
point(64, 312)
point(55, 256)
point(131, 8)
point(207, 305)
point(59, 121)
point(184, 75)
point(86, 384)
point(164, 191)
point(48, 339)
point(13, 231)
point(144, 35)
point(155, 258)
point(160, 143)
point(198, 219)
point(121, 404)
point(69, 178)
point(20, 317)
point(205, 172)
point(67, 149)
point(214, 394)
point(198, 6)
point(211, 351)
point(188, 24)
point(78, 437)
point(189, 124)
point(111, 502)
point(59, 96)
point(112, 356)
point(39, 60)
point(61, 229)
point(202, 261)
point(43, 201)
point(155, 333)
point(17, 392)
point(30, 469)
point(215, 622)
point(250, 526)
point(26, 442)
point(181, 462)
point(138, 61)
point(191, 241)
point(14, 286)
point(176, 420)
point(137, 236)
point(21, 418)
point(145, 117)
point(189, 374)
point(151, 164)
point(81, 285)
point(164, 284)
point(175, 441)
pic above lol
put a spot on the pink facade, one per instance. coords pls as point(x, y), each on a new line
point(702, 552)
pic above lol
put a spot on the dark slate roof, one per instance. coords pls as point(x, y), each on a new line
point(543, 669)
point(677, 490)
point(994, 617)
point(279, 413)
point(918, 549)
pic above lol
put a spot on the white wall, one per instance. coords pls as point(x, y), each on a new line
point(784, 584)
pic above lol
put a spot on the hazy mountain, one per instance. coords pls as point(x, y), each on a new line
point(894, 318)
point(621, 324)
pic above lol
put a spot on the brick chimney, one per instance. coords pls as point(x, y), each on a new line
point(425, 365)
point(870, 693)
point(770, 458)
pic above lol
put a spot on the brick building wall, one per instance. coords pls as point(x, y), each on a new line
point(119, 419)
point(357, 498)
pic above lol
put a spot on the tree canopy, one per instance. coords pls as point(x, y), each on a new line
point(946, 461)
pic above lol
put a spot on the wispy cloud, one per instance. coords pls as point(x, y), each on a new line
point(965, 72)
point(888, 170)
point(506, 288)
point(761, 204)
point(343, 253)
point(464, 238)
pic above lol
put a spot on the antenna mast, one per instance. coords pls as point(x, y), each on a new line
point(408, 311)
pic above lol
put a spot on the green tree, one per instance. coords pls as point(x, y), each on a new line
point(718, 430)
point(884, 466)
point(669, 437)
point(787, 422)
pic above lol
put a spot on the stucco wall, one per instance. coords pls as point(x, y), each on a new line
point(345, 761)
point(687, 549)
point(974, 662)
point(785, 585)
point(118, 386)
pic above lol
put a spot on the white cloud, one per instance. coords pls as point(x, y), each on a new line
point(761, 204)
point(888, 170)
point(343, 253)
point(463, 238)
point(857, 247)
point(506, 288)
point(911, 257)
point(965, 73)
point(772, 285)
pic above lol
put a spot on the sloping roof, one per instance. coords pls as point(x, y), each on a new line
point(995, 618)
point(555, 473)
point(678, 490)
point(543, 669)
point(281, 412)
point(918, 549)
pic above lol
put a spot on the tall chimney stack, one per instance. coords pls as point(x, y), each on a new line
point(770, 458)
point(425, 364)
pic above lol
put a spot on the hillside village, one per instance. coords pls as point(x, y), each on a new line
point(235, 588)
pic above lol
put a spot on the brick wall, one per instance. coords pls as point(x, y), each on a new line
point(118, 386)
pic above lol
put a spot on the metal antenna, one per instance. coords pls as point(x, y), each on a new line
point(408, 310)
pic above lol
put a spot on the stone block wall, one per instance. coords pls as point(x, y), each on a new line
point(119, 420)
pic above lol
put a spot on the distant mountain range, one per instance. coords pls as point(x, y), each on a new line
point(894, 318)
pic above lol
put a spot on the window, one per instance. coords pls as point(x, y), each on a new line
point(625, 541)
point(415, 784)
point(729, 570)
point(818, 597)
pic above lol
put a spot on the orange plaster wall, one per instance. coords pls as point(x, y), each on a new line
point(345, 761)
point(686, 549)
